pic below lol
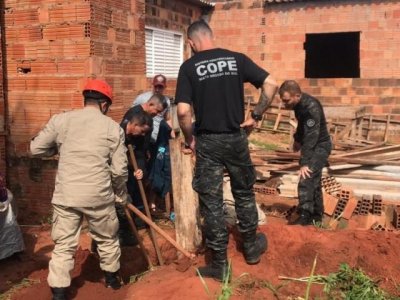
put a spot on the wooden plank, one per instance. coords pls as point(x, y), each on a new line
point(385, 137)
point(186, 204)
point(369, 151)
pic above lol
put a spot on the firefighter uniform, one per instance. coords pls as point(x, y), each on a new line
point(92, 172)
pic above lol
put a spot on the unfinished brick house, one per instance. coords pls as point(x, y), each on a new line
point(345, 52)
point(50, 47)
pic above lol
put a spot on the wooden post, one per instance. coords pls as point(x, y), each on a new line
point(186, 204)
point(369, 127)
point(385, 137)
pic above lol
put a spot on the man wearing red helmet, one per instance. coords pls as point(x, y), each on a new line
point(91, 176)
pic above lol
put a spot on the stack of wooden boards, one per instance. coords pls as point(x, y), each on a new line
point(361, 185)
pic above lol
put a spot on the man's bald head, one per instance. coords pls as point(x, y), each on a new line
point(199, 28)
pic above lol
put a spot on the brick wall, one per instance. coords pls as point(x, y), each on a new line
point(2, 108)
point(52, 48)
point(173, 15)
point(273, 36)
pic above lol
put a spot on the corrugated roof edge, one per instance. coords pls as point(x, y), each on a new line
point(202, 3)
point(266, 2)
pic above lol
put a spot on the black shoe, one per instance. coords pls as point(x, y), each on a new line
point(304, 219)
point(217, 272)
point(252, 252)
point(59, 293)
point(112, 280)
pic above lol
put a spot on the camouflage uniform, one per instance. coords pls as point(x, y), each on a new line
point(214, 152)
point(316, 146)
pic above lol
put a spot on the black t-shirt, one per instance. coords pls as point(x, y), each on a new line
point(212, 80)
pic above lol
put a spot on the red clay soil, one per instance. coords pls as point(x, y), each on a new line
point(292, 250)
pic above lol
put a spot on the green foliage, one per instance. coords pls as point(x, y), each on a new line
point(264, 146)
point(352, 284)
point(227, 288)
point(348, 283)
point(310, 280)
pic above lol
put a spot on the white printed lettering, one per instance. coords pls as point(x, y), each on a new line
point(212, 68)
point(199, 70)
point(232, 65)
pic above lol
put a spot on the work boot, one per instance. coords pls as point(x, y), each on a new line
point(304, 219)
point(217, 269)
point(254, 245)
point(112, 280)
point(59, 293)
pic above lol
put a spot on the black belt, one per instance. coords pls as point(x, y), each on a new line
point(203, 131)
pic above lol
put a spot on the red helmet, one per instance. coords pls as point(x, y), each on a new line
point(99, 86)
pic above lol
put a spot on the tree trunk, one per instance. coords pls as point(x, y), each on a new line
point(186, 203)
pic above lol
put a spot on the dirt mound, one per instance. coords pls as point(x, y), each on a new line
point(292, 250)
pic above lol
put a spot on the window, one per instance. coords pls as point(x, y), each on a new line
point(164, 52)
point(332, 55)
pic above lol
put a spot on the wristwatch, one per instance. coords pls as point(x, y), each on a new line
point(256, 116)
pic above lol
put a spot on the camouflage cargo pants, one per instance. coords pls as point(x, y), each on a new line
point(214, 153)
point(309, 189)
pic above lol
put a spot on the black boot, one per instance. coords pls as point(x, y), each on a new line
point(59, 293)
point(254, 245)
point(304, 219)
point(217, 269)
point(112, 280)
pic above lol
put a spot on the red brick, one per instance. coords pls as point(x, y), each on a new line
point(350, 207)
point(330, 203)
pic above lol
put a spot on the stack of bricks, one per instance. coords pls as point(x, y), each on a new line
point(346, 205)
point(366, 204)
point(377, 205)
point(330, 185)
point(258, 188)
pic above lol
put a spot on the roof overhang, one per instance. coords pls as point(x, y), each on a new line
point(202, 3)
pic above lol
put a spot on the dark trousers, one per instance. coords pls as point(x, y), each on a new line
point(309, 189)
point(214, 153)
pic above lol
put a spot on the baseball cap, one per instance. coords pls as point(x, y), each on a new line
point(160, 80)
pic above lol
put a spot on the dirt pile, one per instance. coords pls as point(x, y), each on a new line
point(292, 250)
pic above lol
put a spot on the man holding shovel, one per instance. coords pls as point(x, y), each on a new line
point(92, 173)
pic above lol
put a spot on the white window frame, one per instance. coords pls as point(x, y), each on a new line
point(163, 55)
